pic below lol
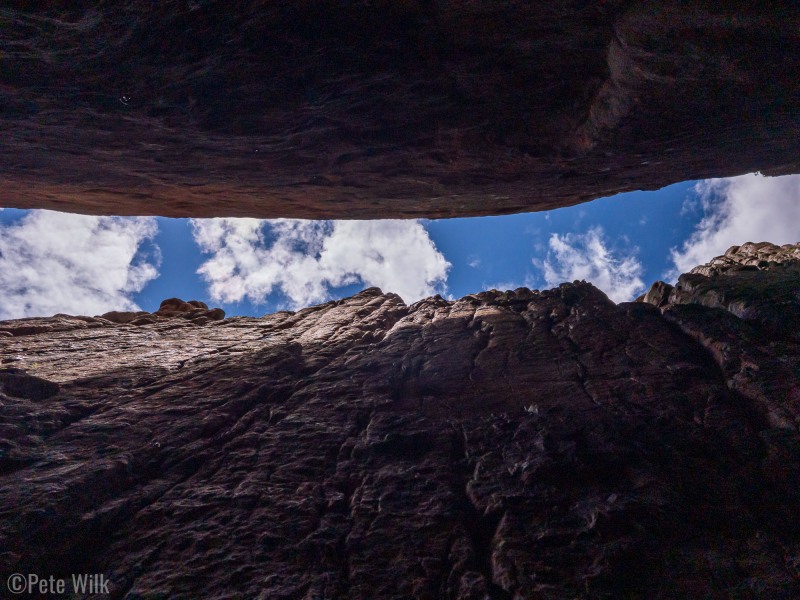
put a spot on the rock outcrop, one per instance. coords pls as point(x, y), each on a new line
point(755, 282)
point(517, 444)
point(382, 109)
point(194, 311)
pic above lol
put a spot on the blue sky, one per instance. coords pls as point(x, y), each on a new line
point(53, 262)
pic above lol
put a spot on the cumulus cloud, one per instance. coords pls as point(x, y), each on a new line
point(587, 256)
point(749, 208)
point(54, 262)
point(305, 259)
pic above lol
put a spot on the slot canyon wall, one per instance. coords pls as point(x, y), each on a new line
point(386, 109)
point(517, 444)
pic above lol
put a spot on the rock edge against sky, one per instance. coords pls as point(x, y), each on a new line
point(507, 444)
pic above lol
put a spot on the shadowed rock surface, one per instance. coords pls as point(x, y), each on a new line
point(756, 282)
point(519, 444)
point(386, 109)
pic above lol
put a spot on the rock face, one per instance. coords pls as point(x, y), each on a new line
point(387, 109)
point(194, 311)
point(519, 444)
point(756, 282)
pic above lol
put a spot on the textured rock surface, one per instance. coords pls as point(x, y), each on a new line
point(381, 109)
point(506, 445)
point(194, 311)
point(756, 282)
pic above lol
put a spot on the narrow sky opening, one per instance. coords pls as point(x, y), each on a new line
point(52, 262)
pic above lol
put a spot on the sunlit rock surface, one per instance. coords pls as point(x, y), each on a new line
point(194, 311)
point(506, 445)
point(386, 109)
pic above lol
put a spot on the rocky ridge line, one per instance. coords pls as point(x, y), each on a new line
point(194, 312)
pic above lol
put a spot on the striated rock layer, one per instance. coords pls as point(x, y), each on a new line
point(519, 444)
point(382, 108)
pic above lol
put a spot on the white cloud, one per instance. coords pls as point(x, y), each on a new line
point(586, 256)
point(305, 259)
point(749, 208)
point(54, 262)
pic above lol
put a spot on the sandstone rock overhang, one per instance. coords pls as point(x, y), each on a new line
point(386, 109)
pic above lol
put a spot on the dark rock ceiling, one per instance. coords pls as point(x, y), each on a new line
point(386, 109)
